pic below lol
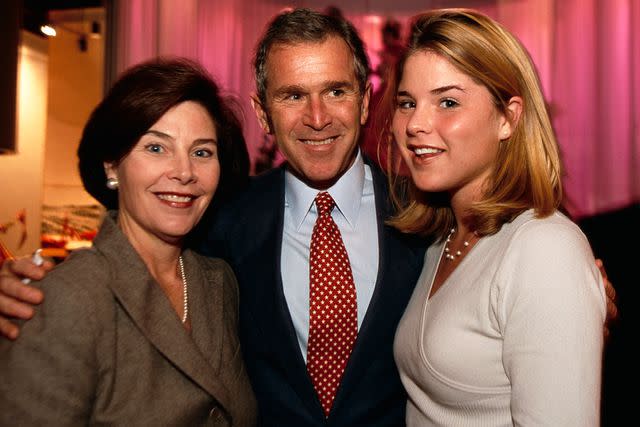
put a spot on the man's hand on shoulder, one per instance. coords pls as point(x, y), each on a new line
point(17, 299)
point(612, 309)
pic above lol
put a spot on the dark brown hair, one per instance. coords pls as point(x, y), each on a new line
point(304, 25)
point(138, 99)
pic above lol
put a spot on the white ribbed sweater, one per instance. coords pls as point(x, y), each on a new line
point(513, 337)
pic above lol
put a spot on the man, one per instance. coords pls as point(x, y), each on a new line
point(312, 95)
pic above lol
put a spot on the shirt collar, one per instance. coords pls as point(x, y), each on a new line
point(346, 192)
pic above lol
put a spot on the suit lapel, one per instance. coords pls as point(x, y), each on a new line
point(262, 295)
point(150, 310)
point(395, 281)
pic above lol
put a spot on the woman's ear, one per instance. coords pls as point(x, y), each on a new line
point(110, 170)
point(514, 111)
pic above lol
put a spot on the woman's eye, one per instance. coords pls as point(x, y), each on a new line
point(448, 103)
point(154, 148)
point(404, 104)
point(203, 153)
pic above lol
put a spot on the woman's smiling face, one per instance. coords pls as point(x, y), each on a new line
point(170, 176)
point(446, 126)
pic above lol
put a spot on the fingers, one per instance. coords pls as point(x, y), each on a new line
point(25, 268)
point(612, 311)
point(600, 265)
point(610, 292)
point(16, 298)
point(11, 287)
point(15, 301)
point(612, 314)
point(8, 329)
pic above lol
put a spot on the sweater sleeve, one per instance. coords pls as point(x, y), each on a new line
point(552, 310)
point(49, 374)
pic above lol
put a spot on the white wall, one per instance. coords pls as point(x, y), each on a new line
point(58, 87)
point(21, 174)
point(75, 88)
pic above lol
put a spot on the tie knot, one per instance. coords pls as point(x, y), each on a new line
point(325, 203)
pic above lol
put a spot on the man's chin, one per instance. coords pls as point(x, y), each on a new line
point(320, 180)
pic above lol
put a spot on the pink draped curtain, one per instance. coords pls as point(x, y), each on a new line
point(587, 53)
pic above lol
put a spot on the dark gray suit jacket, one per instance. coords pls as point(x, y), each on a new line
point(106, 348)
point(248, 234)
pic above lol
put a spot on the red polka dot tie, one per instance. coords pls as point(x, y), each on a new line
point(333, 315)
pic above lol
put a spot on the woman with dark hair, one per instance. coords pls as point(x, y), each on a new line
point(138, 330)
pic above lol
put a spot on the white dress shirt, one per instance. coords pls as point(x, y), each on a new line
point(355, 216)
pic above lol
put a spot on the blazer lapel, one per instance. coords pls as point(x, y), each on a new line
point(206, 300)
point(146, 304)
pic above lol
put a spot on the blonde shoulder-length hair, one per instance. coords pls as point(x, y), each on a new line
point(527, 171)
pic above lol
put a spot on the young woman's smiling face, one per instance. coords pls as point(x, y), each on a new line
point(446, 126)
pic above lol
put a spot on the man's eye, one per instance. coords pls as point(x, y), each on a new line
point(337, 92)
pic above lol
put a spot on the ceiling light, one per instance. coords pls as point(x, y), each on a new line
point(48, 30)
point(95, 30)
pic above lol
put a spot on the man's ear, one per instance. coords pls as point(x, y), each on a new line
point(261, 113)
point(514, 111)
point(364, 108)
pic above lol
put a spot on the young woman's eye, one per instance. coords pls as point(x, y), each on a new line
point(448, 103)
point(405, 104)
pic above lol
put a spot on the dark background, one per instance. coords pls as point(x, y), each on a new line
point(614, 237)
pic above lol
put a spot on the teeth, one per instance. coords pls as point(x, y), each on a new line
point(175, 198)
point(322, 142)
point(421, 151)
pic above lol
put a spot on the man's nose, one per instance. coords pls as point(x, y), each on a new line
point(317, 115)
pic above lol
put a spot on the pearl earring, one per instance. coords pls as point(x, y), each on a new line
point(112, 183)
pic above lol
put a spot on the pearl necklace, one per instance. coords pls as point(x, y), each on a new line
point(185, 296)
point(447, 251)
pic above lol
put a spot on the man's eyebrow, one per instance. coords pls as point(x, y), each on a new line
point(328, 85)
point(339, 83)
point(285, 90)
